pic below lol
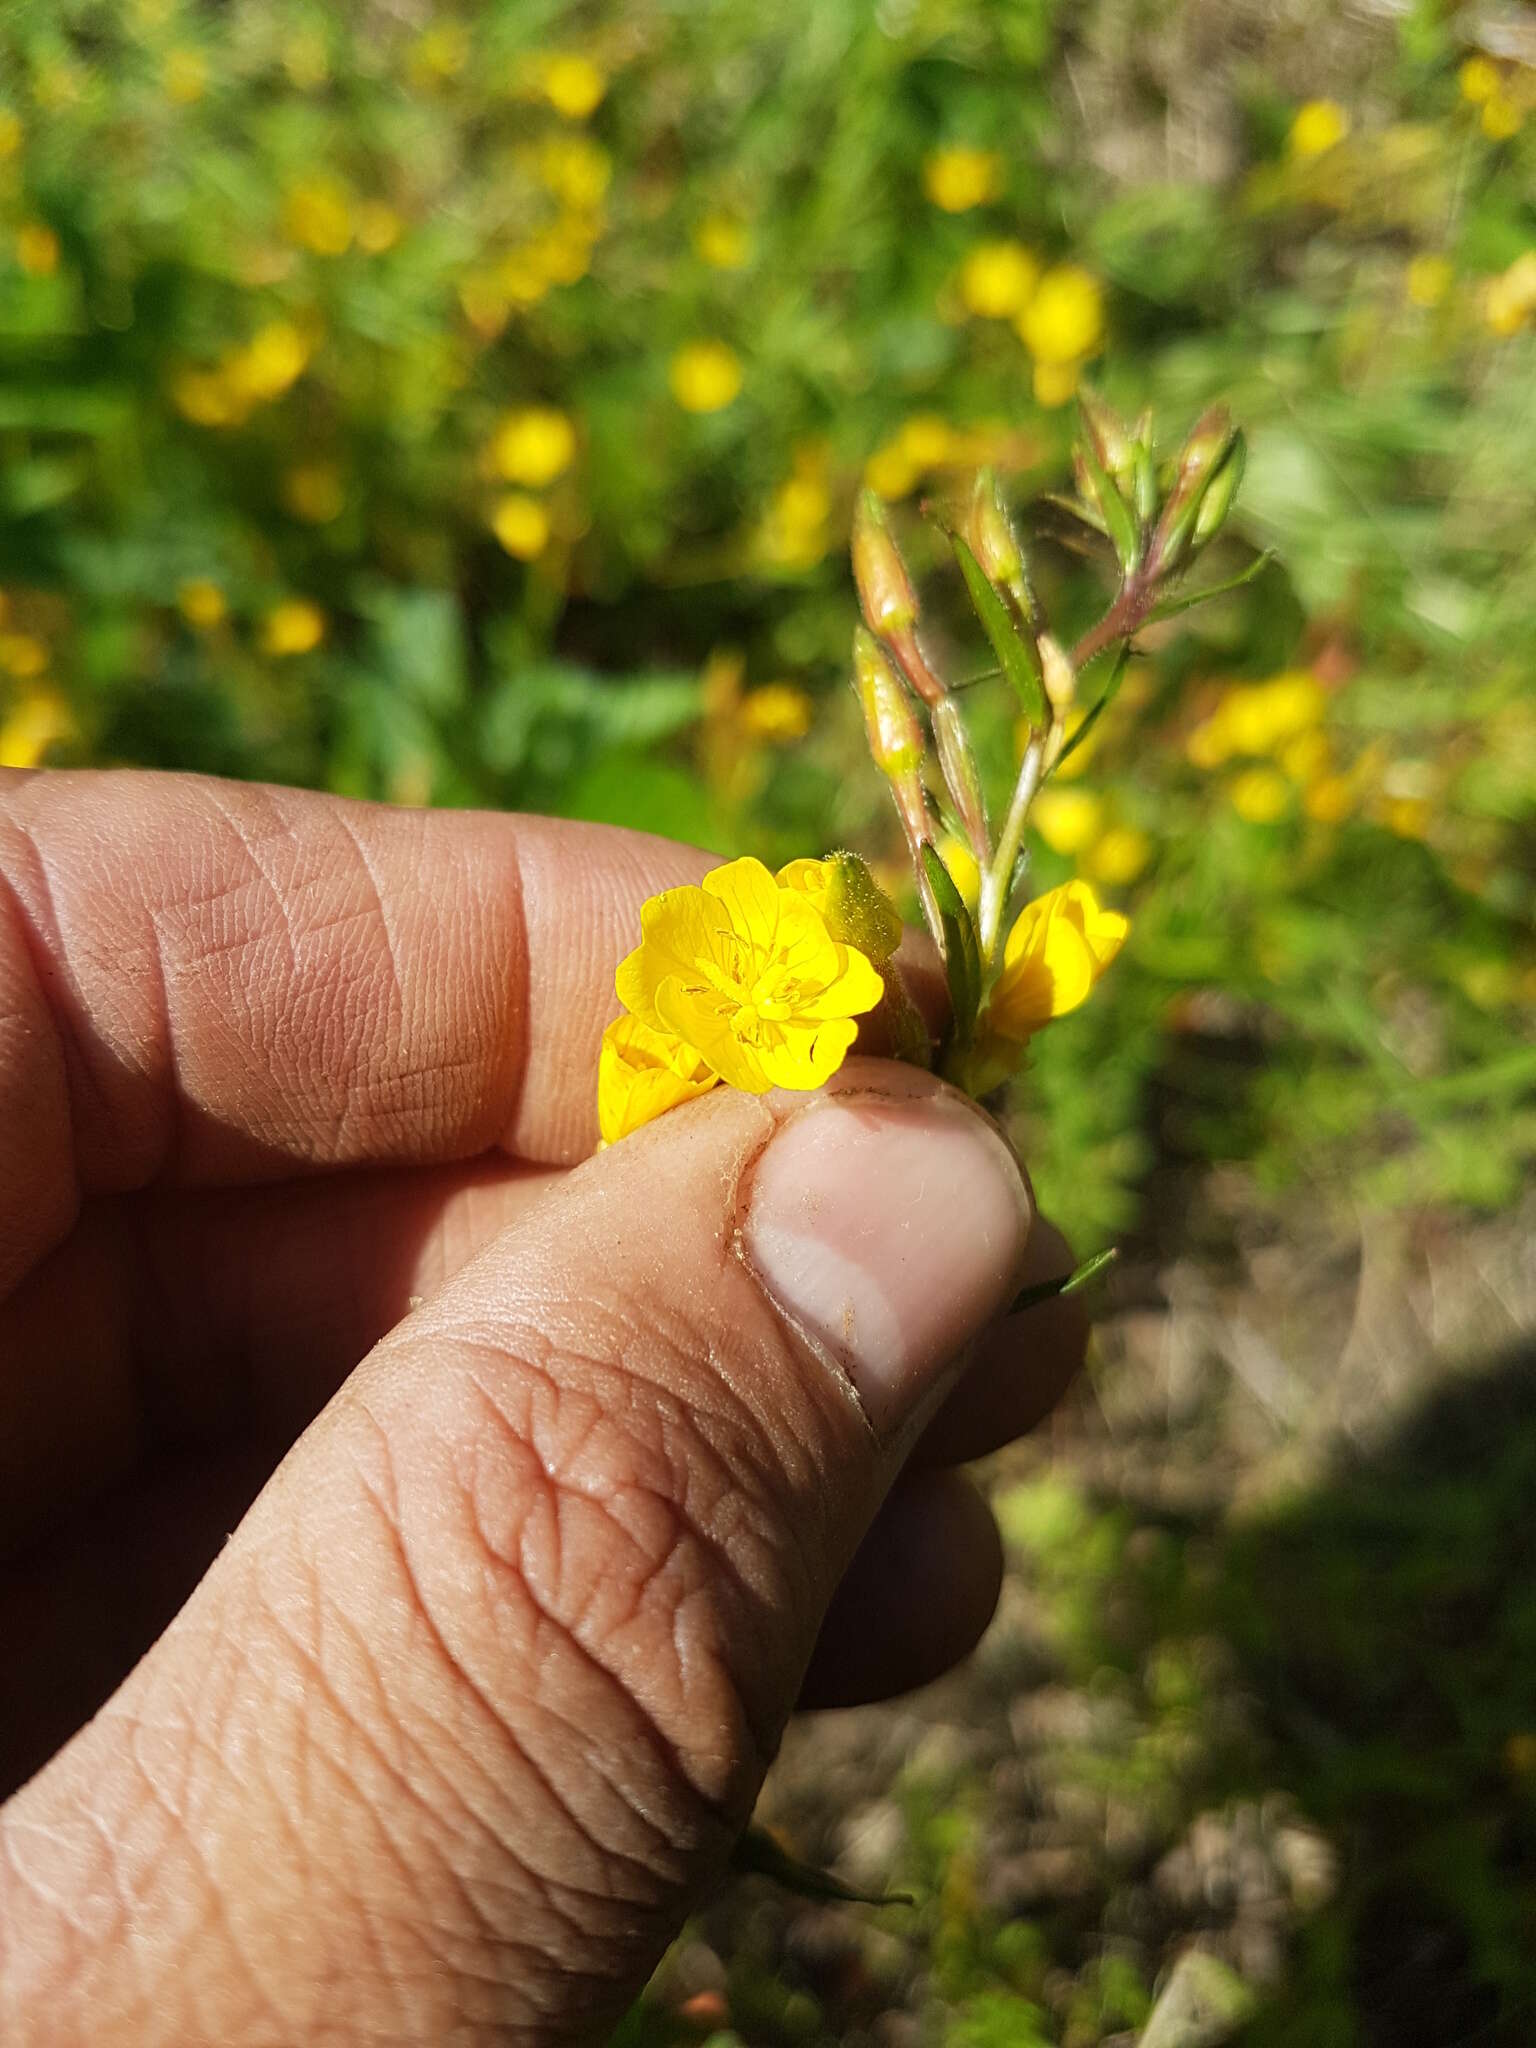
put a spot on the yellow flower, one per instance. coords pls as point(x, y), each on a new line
point(1501, 118)
point(1064, 319)
point(185, 76)
point(37, 249)
point(314, 492)
point(958, 179)
point(1055, 384)
point(1427, 280)
point(318, 216)
point(533, 445)
point(1258, 718)
point(22, 655)
point(1407, 816)
point(704, 375)
point(1260, 795)
point(927, 439)
point(1510, 299)
point(1479, 80)
point(1308, 756)
point(641, 1073)
point(722, 242)
point(378, 227)
point(1059, 946)
point(296, 626)
point(202, 604)
point(747, 975)
point(856, 909)
point(997, 279)
point(1317, 128)
point(573, 85)
point(890, 472)
point(776, 711)
point(1120, 856)
point(1067, 819)
point(273, 359)
point(37, 723)
point(11, 133)
point(521, 524)
point(574, 170)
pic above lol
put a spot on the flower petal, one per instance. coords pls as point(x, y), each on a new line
point(642, 1073)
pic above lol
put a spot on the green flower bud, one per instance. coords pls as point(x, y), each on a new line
point(854, 907)
point(1219, 494)
point(989, 534)
point(890, 718)
point(886, 595)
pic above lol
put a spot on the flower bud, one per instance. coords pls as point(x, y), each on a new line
point(890, 719)
point(1219, 493)
point(1202, 454)
point(1111, 439)
point(1058, 675)
point(886, 595)
point(989, 533)
point(854, 907)
point(962, 777)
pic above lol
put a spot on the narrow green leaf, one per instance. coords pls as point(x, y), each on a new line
point(757, 1852)
point(1066, 1283)
point(1101, 704)
point(1184, 599)
point(1119, 520)
point(962, 956)
point(1017, 656)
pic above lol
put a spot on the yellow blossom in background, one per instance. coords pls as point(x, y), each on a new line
point(317, 214)
point(1510, 299)
point(927, 439)
point(795, 529)
point(1260, 795)
point(1064, 319)
point(746, 974)
point(378, 227)
point(1427, 279)
point(1501, 118)
point(296, 626)
point(22, 655)
point(1256, 718)
point(642, 1073)
point(1307, 756)
point(574, 170)
point(533, 445)
point(704, 375)
point(37, 249)
point(273, 360)
point(1067, 819)
point(521, 524)
point(1055, 384)
point(890, 472)
point(185, 76)
point(959, 179)
point(314, 492)
point(12, 134)
point(1409, 817)
point(202, 604)
point(573, 84)
point(778, 712)
point(997, 279)
point(1318, 127)
point(1059, 946)
point(37, 723)
point(721, 241)
point(1479, 80)
point(1119, 856)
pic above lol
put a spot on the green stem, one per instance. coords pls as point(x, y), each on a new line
point(997, 876)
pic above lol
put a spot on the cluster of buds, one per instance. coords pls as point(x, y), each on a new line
point(1157, 518)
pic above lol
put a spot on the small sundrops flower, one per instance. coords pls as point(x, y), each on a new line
point(1318, 127)
point(573, 85)
point(1067, 819)
point(1260, 796)
point(958, 179)
point(777, 712)
point(746, 974)
point(641, 1073)
point(705, 376)
point(721, 241)
point(1479, 80)
point(202, 604)
point(1059, 946)
point(1064, 319)
point(296, 626)
point(997, 279)
point(37, 723)
point(1427, 279)
point(521, 524)
point(1120, 857)
point(317, 214)
point(533, 446)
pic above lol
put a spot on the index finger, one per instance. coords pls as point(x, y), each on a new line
point(205, 982)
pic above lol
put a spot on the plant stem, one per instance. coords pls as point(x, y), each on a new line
point(999, 873)
point(1130, 608)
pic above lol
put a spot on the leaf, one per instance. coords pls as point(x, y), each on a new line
point(1101, 704)
point(1084, 514)
point(757, 1852)
point(962, 957)
point(1066, 1283)
point(1172, 606)
point(1120, 521)
point(1017, 656)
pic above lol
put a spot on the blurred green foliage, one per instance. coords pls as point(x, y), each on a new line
point(465, 406)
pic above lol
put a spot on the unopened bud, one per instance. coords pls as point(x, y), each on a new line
point(989, 533)
point(1201, 455)
point(1219, 493)
point(886, 595)
point(1058, 675)
point(855, 908)
point(890, 717)
point(1112, 442)
point(962, 777)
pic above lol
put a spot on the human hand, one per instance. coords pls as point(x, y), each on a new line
point(469, 1710)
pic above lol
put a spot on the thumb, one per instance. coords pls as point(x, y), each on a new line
point(475, 1701)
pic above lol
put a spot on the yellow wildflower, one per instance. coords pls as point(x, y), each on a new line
point(533, 445)
point(574, 170)
point(1427, 280)
point(1064, 319)
point(721, 241)
point(704, 375)
point(1501, 118)
point(202, 604)
point(1067, 819)
point(795, 528)
point(296, 626)
point(314, 492)
point(958, 179)
point(378, 226)
point(37, 723)
point(997, 279)
point(776, 711)
point(273, 359)
point(890, 472)
point(1479, 80)
point(1260, 795)
point(1120, 856)
point(1055, 384)
point(1059, 946)
point(185, 76)
point(573, 85)
point(37, 249)
point(11, 133)
point(1408, 816)
point(641, 1073)
point(1257, 718)
point(856, 909)
point(747, 975)
point(927, 439)
point(1318, 127)
point(1307, 756)
point(1510, 299)
point(521, 524)
point(317, 214)
point(22, 655)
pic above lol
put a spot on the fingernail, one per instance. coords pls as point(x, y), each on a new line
point(888, 1231)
